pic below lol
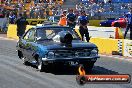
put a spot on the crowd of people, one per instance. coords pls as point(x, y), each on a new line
point(68, 18)
point(101, 9)
point(30, 10)
point(41, 9)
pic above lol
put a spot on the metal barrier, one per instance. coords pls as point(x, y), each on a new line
point(4, 24)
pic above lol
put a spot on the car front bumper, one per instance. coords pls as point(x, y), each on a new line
point(74, 59)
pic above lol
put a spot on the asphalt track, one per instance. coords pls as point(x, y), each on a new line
point(13, 74)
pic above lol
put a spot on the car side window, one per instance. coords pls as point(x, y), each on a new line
point(30, 35)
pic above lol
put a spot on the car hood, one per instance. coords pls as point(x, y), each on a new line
point(76, 44)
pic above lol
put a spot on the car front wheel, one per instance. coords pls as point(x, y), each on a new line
point(24, 61)
point(20, 54)
point(88, 66)
point(40, 65)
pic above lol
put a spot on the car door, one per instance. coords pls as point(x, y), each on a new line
point(28, 41)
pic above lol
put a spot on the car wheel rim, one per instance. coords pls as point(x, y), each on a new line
point(40, 65)
point(23, 59)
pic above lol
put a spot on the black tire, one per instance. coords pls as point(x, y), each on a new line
point(88, 66)
point(20, 55)
point(24, 61)
point(116, 24)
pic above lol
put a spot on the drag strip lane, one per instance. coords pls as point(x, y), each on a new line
point(33, 74)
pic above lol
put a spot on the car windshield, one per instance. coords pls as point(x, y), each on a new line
point(50, 33)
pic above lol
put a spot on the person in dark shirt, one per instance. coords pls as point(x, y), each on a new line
point(83, 22)
point(71, 19)
point(129, 24)
point(12, 18)
point(21, 25)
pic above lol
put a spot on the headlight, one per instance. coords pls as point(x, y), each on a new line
point(51, 54)
point(94, 52)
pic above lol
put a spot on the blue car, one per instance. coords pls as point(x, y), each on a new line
point(107, 23)
point(56, 45)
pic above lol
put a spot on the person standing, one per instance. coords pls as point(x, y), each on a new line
point(12, 18)
point(21, 25)
point(83, 22)
point(62, 21)
point(129, 24)
point(71, 19)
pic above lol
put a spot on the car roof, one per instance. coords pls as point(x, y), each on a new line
point(51, 26)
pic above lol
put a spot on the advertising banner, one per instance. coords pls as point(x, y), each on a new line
point(128, 48)
point(35, 21)
point(104, 32)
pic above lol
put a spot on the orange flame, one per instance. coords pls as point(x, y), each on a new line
point(81, 70)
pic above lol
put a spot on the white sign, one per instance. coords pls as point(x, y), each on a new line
point(128, 48)
point(101, 32)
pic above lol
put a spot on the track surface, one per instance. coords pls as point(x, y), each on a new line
point(13, 74)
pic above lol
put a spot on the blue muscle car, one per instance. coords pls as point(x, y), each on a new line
point(55, 45)
point(107, 23)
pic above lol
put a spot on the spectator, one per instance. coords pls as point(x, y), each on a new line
point(21, 25)
point(31, 12)
point(129, 24)
point(71, 18)
point(83, 22)
point(62, 21)
point(12, 18)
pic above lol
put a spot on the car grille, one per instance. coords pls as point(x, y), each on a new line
point(72, 53)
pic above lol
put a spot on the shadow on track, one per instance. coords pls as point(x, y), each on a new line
point(73, 70)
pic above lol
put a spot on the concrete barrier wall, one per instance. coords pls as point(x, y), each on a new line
point(105, 45)
point(12, 33)
point(127, 48)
